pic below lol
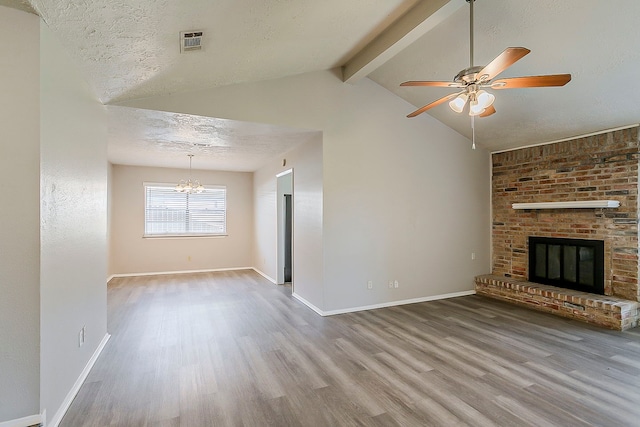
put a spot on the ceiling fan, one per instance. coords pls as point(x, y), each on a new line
point(474, 80)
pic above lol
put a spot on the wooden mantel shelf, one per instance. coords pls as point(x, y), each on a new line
point(578, 204)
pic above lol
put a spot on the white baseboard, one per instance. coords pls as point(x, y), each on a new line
point(76, 387)
point(308, 304)
point(382, 305)
point(160, 273)
point(265, 275)
point(209, 270)
point(23, 422)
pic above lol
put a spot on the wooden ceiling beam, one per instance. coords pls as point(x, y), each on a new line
point(419, 20)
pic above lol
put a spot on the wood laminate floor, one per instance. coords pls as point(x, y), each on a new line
point(231, 349)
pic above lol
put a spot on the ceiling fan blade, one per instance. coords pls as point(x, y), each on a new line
point(434, 104)
point(532, 81)
point(503, 61)
point(434, 84)
point(488, 111)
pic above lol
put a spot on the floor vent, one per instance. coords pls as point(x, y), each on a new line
point(190, 41)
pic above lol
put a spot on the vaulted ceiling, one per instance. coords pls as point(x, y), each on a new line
point(129, 49)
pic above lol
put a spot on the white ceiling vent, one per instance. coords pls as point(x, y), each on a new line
point(190, 41)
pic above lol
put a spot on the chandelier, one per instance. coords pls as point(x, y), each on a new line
point(189, 186)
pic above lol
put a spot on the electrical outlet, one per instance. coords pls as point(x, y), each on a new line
point(473, 256)
point(396, 284)
point(189, 258)
point(390, 284)
point(369, 284)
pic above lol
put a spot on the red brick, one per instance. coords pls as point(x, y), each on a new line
point(597, 165)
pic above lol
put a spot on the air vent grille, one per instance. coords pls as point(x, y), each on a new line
point(190, 41)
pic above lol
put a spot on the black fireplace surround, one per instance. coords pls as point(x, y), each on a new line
point(567, 263)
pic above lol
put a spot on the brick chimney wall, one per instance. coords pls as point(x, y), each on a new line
point(600, 167)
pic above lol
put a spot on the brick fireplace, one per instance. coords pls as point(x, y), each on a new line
point(600, 167)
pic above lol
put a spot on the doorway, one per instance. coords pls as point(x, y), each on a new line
point(285, 212)
point(288, 241)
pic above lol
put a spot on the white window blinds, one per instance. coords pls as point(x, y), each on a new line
point(169, 213)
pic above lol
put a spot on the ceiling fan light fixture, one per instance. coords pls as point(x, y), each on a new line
point(485, 99)
point(471, 79)
point(459, 102)
point(475, 108)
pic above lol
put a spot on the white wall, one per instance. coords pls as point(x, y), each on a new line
point(73, 191)
point(306, 162)
point(131, 253)
point(19, 214)
point(404, 200)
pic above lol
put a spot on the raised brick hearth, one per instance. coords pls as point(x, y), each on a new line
point(599, 167)
point(610, 312)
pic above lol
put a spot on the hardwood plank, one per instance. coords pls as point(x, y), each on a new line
point(231, 349)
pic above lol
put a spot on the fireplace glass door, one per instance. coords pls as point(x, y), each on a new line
point(567, 263)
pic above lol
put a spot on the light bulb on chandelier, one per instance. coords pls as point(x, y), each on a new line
point(189, 186)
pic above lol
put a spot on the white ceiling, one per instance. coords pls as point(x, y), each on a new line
point(129, 49)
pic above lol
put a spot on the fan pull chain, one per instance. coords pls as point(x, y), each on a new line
point(473, 132)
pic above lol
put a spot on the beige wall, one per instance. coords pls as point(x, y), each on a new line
point(19, 214)
point(73, 209)
point(435, 210)
point(131, 253)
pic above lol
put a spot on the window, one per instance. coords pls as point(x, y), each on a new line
point(169, 213)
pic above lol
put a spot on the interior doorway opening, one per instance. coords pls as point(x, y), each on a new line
point(285, 230)
point(288, 237)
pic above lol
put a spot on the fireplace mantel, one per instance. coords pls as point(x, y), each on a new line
point(577, 204)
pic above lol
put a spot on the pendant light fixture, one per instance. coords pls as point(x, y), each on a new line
point(189, 186)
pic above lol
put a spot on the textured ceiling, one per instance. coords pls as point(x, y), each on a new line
point(156, 138)
point(130, 49)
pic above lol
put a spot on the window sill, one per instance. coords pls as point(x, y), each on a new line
point(185, 236)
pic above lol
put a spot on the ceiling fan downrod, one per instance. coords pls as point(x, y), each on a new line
point(473, 121)
point(471, 32)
